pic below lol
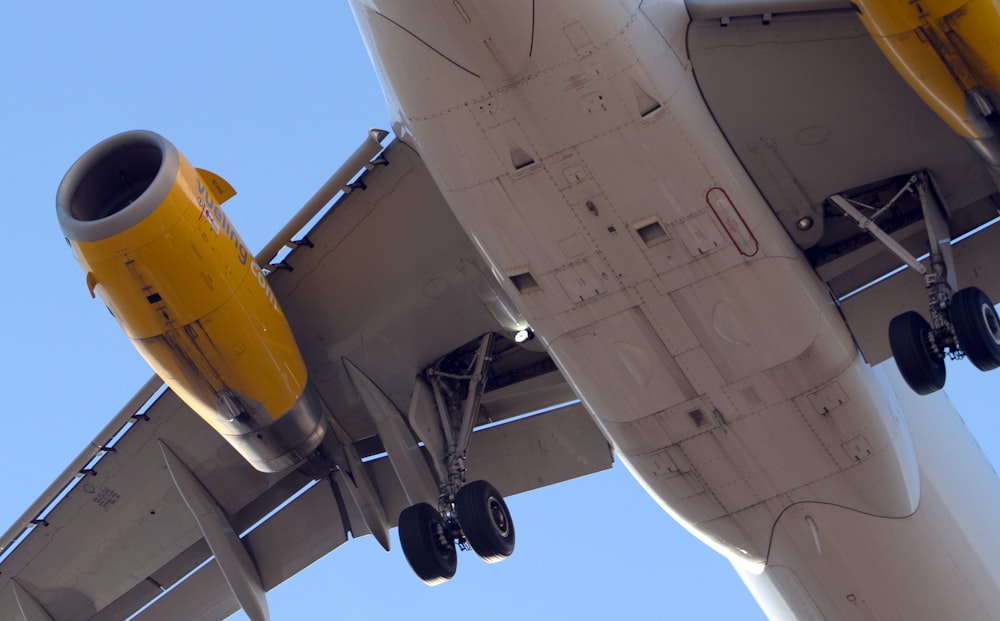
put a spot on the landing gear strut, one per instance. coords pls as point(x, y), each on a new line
point(963, 323)
point(468, 514)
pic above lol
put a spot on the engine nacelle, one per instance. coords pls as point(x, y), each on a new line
point(148, 230)
point(946, 50)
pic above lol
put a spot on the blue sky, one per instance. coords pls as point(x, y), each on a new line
point(274, 100)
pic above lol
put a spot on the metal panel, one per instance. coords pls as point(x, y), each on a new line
point(718, 9)
point(538, 451)
point(30, 609)
point(831, 551)
point(522, 455)
point(204, 596)
point(124, 519)
point(812, 107)
point(391, 282)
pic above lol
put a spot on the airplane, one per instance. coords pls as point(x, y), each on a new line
point(102, 370)
point(747, 238)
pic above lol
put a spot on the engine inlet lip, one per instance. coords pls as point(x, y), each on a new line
point(84, 229)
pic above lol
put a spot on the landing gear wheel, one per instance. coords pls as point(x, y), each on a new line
point(922, 368)
point(485, 521)
point(427, 544)
point(977, 327)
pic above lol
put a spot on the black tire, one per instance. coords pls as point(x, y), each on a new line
point(426, 545)
point(922, 369)
point(977, 327)
point(485, 521)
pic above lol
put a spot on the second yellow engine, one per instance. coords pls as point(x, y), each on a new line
point(949, 53)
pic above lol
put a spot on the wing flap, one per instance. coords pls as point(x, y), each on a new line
point(203, 596)
point(522, 455)
point(539, 450)
point(301, 533)
point(518, 456)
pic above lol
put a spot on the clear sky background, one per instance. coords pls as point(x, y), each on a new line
point(274, 99)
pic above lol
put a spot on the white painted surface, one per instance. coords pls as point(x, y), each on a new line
point(714, 358)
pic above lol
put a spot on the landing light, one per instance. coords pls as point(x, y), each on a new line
point(524, 335)
point(805, 223)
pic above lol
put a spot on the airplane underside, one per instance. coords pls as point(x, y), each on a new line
point(575, 147)
point(669, 231)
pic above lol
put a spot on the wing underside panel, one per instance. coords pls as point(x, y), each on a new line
point(387, 280)
point(556, 446)
point(812, 108)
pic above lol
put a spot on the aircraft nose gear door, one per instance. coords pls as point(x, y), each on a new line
point(963, 323)
point(468, 514)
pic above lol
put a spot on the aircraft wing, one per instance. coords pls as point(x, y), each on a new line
point(812, 108)
point(387, 279)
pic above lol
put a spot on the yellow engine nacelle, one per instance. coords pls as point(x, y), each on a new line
point(949, 53)
point(148, 230)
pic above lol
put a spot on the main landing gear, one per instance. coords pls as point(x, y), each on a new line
point(479, 518)
point(971, 330)
point(963, 323)
point(468, 514)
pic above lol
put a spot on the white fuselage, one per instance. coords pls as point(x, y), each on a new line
point(572, 143)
